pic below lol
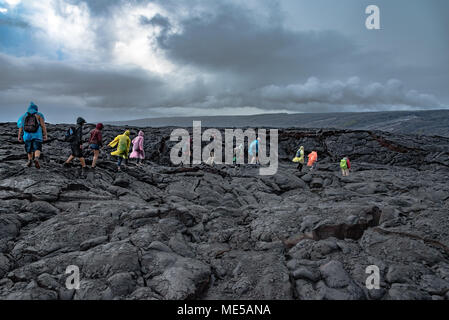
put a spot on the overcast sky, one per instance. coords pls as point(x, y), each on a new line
point(118, 60)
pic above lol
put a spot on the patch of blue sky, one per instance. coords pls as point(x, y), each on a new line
point(15, 33)
point(16, 40)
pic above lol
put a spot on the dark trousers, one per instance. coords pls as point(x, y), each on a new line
point(299, 166)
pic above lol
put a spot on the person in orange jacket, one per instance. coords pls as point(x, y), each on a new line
point(313, 157)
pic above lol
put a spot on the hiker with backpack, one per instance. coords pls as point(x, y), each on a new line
point(96, 142)
point(138, 149)
point(32, 131)
point(74, 136)
point(345, 165)
point(299, 158)
point(253, 151)
point(313, 157)
point(123, 143)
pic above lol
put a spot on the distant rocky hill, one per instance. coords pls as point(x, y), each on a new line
point(224, 232)
point(432, 122)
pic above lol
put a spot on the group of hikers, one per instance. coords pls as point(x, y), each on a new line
point(253, 152)
point(312, 159)
point(33, 131)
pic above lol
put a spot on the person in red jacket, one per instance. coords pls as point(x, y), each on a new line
point(96, 142)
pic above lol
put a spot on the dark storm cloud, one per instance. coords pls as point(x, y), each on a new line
point(157, 20)
point(94, 86)
point(232, 41)
point(113, 88)
point(102, 87)
point(238, 47)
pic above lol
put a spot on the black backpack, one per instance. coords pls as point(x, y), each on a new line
point(31, 124)
point(70, 135)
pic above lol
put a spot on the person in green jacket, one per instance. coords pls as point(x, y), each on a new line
point(123, 142)
point(345, 165)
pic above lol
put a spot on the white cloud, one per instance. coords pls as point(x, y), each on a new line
point(132, 39)
point(12, 3)
point(3, 10)
point(62, 26)
point(118, 38)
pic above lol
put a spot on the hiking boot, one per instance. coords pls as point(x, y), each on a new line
point(36, 164)
point(29, 163)
point(66, 165)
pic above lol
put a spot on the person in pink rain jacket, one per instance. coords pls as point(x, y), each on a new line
point(138, 151)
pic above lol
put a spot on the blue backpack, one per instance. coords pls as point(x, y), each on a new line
point(70, 135)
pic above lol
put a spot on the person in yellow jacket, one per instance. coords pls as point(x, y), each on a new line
point(123, 142)
point(299, 158)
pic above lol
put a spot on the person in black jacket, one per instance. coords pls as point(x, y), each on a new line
point(77, 144)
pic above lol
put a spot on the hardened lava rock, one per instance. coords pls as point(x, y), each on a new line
point(225, 232)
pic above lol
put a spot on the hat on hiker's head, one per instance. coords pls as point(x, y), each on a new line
point(99, 126)
point(80, 121)
point(141, 133)
point(127, 133)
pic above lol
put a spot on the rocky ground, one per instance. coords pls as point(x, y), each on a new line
point(223, 232)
